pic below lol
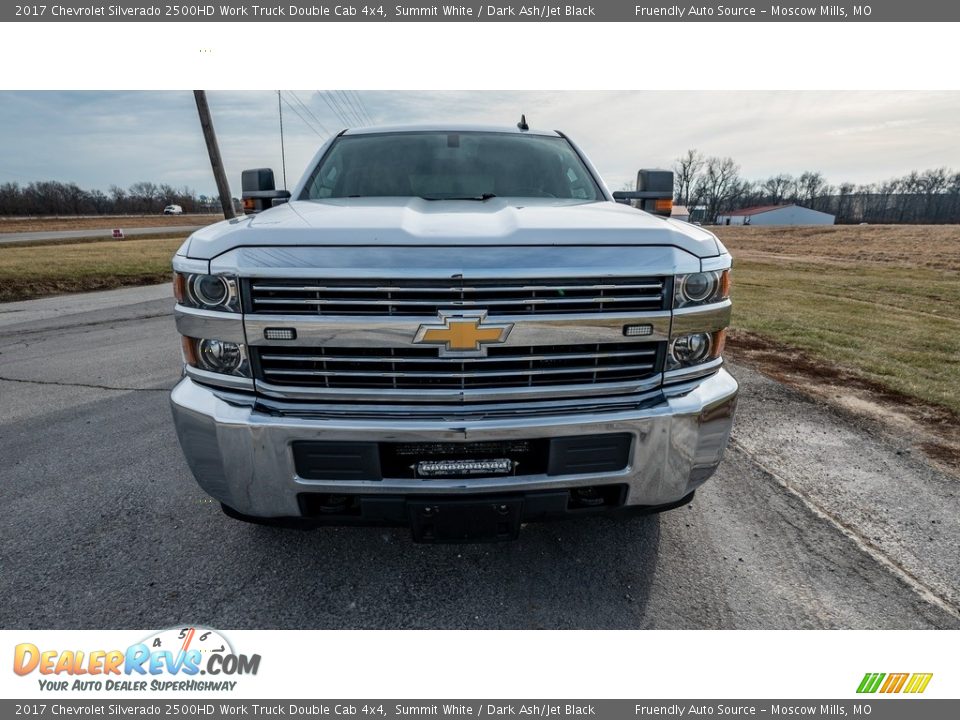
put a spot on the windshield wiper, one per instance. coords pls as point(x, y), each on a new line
point(478, 198)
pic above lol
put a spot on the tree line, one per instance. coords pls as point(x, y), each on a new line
point(708, 186)
point(51, 197)
point(715, 185)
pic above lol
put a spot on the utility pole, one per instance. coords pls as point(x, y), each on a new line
point(283, 154)
point(210, 135)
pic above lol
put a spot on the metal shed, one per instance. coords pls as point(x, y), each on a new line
point(776, 215)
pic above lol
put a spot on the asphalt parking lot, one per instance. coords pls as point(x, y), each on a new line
point(814, 520)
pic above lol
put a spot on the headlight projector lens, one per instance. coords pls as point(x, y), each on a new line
point(218, 356)
point(210, 289)
point(698, 287)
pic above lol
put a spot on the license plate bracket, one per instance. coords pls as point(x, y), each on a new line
point(465, 521)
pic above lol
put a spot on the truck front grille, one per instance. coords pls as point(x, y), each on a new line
point(427, 297)
point(423, 369)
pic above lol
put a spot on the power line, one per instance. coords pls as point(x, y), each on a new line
point(363, 107)
point(343, 111)
point(307, 110)
point(344, 103)
point(351, 105)
point(360, 107)
point(297, 113)
point(331, 102)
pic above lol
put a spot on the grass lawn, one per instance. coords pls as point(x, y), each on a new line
point(31, 272)
point(868, 300)
point(99, 222)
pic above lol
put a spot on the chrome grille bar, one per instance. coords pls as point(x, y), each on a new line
point(268, 357)
point(458, 375)
point(457, 303)
point(354, 337)
point(448, 288)
point(424, 369)
point(428, 296)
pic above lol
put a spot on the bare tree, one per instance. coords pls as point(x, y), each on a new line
point(809, 186)
point(776, 187)
point(718, 184)
point(843, 199)
point(686, 171)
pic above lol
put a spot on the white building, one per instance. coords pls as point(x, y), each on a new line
point(680, 212)
point(776, 215)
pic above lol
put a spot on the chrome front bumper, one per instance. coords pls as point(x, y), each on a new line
point(243, 457)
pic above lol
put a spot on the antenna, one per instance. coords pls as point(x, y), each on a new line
point(523, 123)
point(283, 154)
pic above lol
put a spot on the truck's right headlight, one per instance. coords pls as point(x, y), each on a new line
point(207, 292)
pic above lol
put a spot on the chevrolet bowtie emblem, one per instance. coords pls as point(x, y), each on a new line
point(463, 334)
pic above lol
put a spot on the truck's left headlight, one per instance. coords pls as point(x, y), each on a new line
point(701, 288)
point(207, 292)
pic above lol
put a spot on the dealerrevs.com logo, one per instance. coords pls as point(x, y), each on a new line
point(171, 659)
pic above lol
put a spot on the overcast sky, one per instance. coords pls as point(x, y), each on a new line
point(98, 139)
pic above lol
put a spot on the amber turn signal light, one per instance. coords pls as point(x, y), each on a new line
point(663, 206)
point(724, 284)
point(189, 346)
point(719, 342)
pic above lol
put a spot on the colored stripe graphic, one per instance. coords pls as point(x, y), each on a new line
point(918, 682)
point(870, 682)
point(894, 682)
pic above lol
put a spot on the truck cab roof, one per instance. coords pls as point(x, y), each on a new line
point(447, 128)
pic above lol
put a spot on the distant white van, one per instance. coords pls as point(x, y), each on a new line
point(173, 210)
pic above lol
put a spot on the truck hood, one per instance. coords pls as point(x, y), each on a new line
point(398, 222)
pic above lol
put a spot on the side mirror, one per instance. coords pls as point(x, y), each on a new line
point(258, 180)
point(260, 191)
point(654, 192)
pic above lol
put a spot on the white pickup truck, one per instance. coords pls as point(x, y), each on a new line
point(459, 329)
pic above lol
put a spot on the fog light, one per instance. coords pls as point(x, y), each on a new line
point(691, 349)
point(218, 356)
point(280, 333)
point(460, 468)
point(637, 330)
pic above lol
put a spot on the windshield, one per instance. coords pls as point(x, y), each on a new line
point(451, 165)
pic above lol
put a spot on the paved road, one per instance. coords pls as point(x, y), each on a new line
point(813, 521)
point(20, 237)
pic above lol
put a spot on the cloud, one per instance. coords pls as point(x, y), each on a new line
point(98, 139)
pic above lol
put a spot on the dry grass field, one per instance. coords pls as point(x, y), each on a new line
point(53, 224)
point(28, 272)
point(936, 247)
point(875, 304)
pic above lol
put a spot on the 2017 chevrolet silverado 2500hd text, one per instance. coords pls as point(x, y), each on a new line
point(459, 329)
